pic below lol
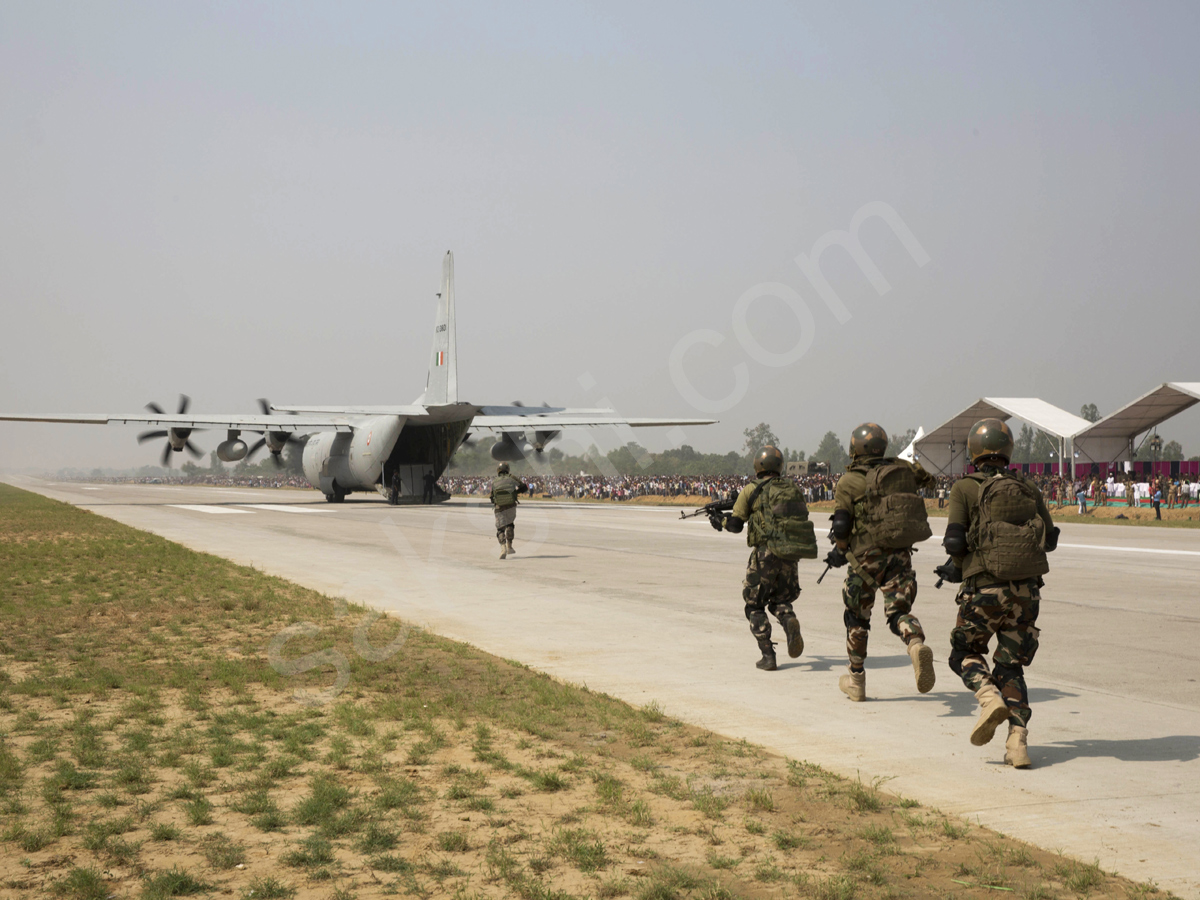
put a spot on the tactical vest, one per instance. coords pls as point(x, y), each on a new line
point(891, 514)
point(1006, 533)
point(779, 520)
point(504, 491)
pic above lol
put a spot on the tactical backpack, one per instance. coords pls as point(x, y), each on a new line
point(504, 492)
point(781, 520)
point(892, 513)
point(1008, 534)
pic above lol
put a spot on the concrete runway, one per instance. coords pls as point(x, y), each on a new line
point(634, 602)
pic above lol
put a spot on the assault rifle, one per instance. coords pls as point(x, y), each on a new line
point(717, 510)
point(834, 558)
point(948, 571)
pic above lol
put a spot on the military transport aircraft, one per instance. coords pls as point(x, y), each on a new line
point(389, 449)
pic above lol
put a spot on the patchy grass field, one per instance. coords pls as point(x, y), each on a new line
point(148, 748)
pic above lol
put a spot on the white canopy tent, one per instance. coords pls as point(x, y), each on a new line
point(1112, 438)
point(944, 450)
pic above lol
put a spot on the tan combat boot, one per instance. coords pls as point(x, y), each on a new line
point(504, 551)
point(854, 685)
point(992, 711)
point(1016, 748)
point(509, 548)
point(922, 662)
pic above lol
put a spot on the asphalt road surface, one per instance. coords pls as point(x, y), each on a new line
point(634, 602)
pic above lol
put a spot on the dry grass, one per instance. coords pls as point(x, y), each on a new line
point(148, 749)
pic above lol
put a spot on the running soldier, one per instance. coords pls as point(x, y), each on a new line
point(878, 516)
point(505, 490)
point(779, 536)
point(998, 535)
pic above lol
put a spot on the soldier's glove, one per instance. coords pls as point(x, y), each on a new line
point(717, 521)
point(1052, 539)
point(836, 558)
point(948, 571)
point(734, 525)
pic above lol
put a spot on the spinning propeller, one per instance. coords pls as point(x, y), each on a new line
point(178, 439)
point(275, 441)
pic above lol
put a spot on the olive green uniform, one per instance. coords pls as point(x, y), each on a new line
point(987, 606)
point(875, 568)
point(506, 513)
point(771, 584)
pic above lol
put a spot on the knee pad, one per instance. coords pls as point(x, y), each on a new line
point(756, 614)
point(853, 621)
point(956, 662)
point(894, 623)
point(1006, 674)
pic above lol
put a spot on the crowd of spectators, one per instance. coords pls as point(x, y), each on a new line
point(1062, 491)
point(283, 479)
point(1058, 490)
point(630, 487)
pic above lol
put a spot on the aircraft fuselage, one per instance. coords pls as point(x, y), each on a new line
point(389, 454)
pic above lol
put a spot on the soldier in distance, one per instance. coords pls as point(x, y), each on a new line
point(505, 490)
point(779, 533)
point(878, 517)
point(998, 535)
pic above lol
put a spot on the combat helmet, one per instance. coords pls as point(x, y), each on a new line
point(502, 469)
point(989, 437)
point(769, 459)
point(868, 441)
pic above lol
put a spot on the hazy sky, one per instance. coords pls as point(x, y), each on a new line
point(241, 200)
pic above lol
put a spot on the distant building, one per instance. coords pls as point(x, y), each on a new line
point(802, 469)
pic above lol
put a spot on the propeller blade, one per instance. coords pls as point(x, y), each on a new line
point(166, 457)
point(154, 408)
point(184, 401)
point(194, 450)
point(150, 435)
point(255, 447)
point(265, 405)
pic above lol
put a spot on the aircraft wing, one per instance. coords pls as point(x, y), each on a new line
point(583, 419)
point(238, 422)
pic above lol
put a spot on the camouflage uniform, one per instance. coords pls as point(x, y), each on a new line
point(987, 606)
point(891, 572)
point(771, 584)
point(506, 515)
point(878, 569)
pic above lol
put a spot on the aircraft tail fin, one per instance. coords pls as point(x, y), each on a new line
point(441, 385)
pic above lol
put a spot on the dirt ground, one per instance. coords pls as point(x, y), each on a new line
point(151, 746)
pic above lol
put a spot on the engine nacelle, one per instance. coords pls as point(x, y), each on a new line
point(508, 450)
point(542, 438)
point(232, 450)
point(178, 438)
